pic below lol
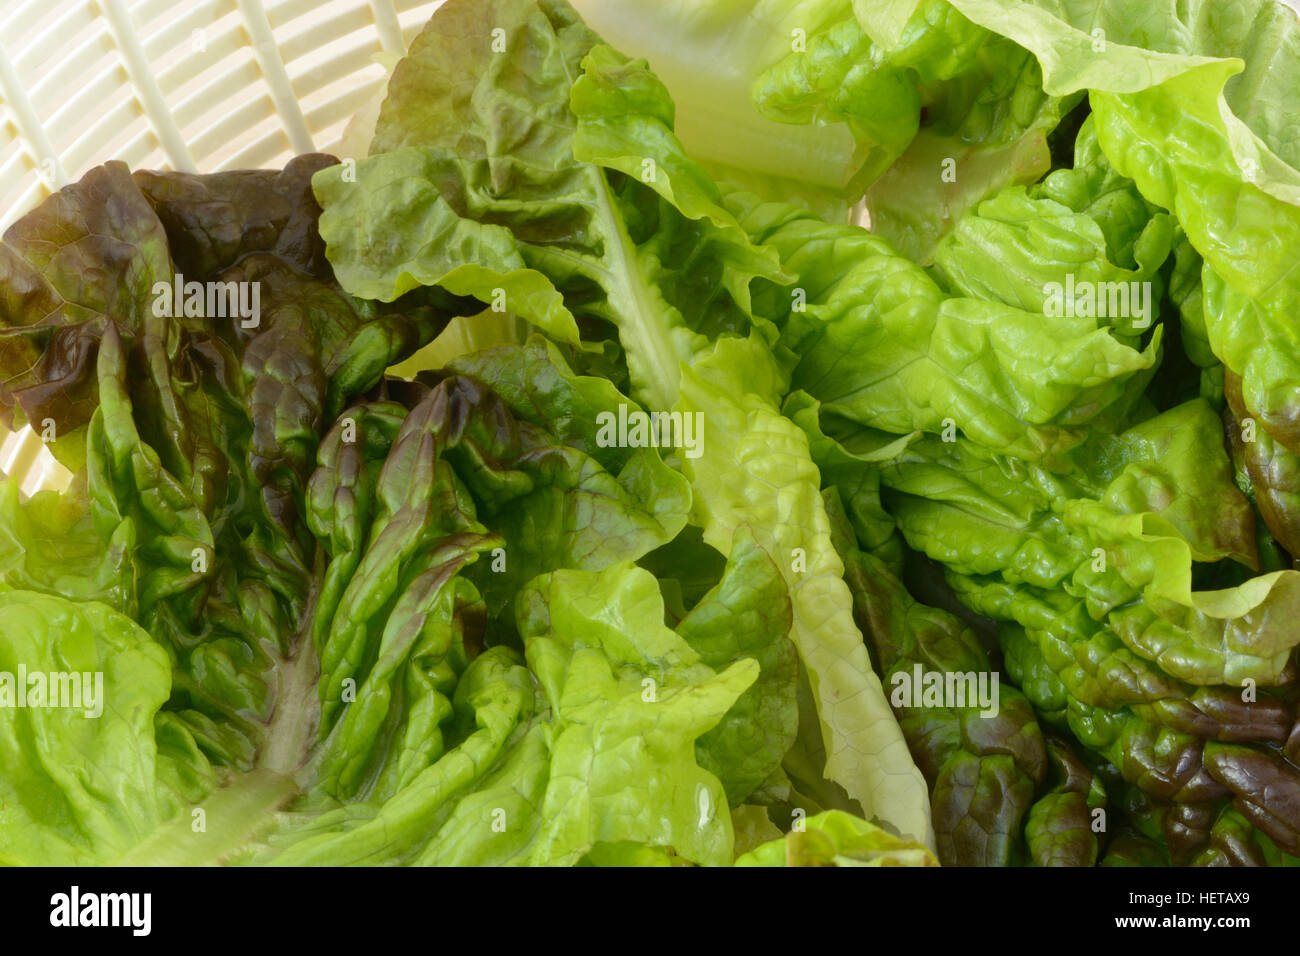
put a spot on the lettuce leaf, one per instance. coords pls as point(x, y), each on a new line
point(709, 56)
point(636, 235)
point(1179, 112)
point(1015, 382)
point(103, 763)
point(836, 838)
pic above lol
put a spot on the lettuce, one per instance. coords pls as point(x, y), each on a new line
point(731, 43)
point(641, 222)
point(1012, 380)
point(1185, 104)
point(110, 773)
point(835, 838)
point(572, 480)
point(441, 618)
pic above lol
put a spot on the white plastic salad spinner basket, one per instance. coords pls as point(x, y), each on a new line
point(195, 85)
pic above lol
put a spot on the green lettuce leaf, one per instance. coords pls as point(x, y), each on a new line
point(100, 782)
point(1078, 227)
point(850, 703)
point(1016, 382)
point(836, 838)
point(709, 56)
point(1186, 103)
point(636, 236)
point(945, 114)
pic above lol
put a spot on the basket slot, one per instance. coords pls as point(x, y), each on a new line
point(17, 172)
point(236, 125)
point(189, 34)
point(92, 120)
point(281, 13)
point(222, 42)
point(118, 132)
point(268, 150)
point(331, 117)
point(318, 81)
point(15, 163)
point(64, 28)
point(353, 27)
point(104, 120)
point(209, 84)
